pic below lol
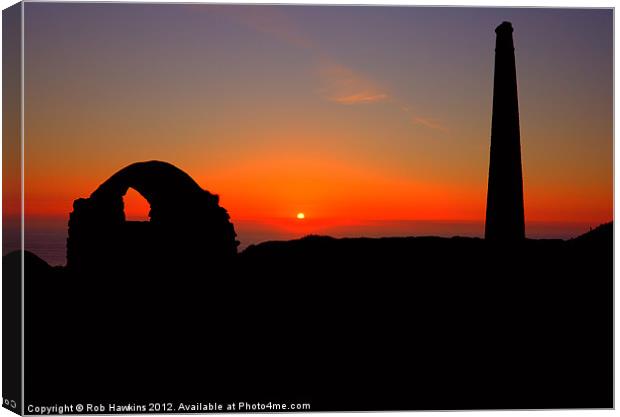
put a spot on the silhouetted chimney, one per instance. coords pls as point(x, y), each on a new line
point(505, 218)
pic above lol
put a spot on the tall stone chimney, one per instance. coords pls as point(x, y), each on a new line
point(504, 217)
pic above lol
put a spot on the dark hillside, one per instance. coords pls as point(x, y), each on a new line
point(392, 323)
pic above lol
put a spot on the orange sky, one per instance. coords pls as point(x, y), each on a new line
point(279, 114)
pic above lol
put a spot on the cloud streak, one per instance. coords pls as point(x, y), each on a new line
point(360, 98)
point(429, 123)
point(271, 21)
point(340, 84)
point(344, 86)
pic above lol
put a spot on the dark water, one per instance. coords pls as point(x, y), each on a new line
point(48, 239)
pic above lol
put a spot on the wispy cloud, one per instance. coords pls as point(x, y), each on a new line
point(422, 121)
point(340, 84)
point(429, 123)
point(344, 86)
point(363, 97)
point(268, 20)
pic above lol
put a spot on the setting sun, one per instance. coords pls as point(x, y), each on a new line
point(301, 216)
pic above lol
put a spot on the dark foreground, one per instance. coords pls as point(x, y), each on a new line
point(342, 324)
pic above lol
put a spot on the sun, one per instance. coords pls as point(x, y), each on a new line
point(301, 216)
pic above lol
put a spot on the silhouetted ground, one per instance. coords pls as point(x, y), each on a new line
point(345, 324)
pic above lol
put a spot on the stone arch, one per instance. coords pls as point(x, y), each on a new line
point(185, 220)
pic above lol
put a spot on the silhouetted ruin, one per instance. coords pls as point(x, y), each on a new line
point(505, 218)
point(186, 223)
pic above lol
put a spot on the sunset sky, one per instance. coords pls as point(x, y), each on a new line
point(369, 120)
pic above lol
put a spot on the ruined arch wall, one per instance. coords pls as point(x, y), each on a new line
point(185, 219)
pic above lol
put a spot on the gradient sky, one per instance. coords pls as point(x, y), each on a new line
point(349, 114)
